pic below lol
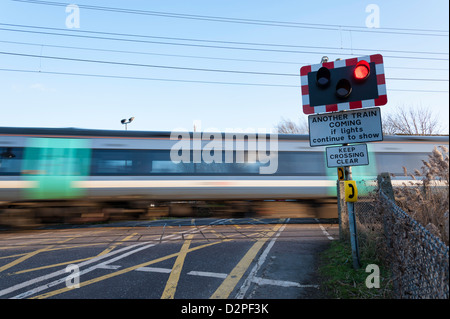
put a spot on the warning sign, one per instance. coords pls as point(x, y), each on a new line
point(350, 155)
point(357, 126)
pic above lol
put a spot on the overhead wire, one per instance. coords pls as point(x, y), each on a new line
point(144, 65)
point(298, 63)
point(253, 46)
point(219, 41)
point(136, 38)
point(320, 26)
point(146, 78)
point(208, 46)
point(185, 68)
point(183, 80)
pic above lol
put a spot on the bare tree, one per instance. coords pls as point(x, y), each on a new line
point(411, 121)
point(290, 127)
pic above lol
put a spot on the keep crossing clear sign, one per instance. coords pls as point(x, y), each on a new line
point(349, 155)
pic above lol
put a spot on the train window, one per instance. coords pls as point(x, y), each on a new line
point(163, 165)
point(393, 162)
point(120, 162)
point(301, 163)
point(11, 160)
point(242, 163)
point(158, 162)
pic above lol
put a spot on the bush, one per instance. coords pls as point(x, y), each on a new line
point(413, 264)
point(426, 198)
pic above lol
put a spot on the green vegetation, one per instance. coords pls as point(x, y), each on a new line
point(426, 199)
point(340, 280)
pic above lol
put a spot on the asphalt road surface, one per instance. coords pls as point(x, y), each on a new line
point(182, 259)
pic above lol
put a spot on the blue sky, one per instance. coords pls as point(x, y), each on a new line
point(47, 96)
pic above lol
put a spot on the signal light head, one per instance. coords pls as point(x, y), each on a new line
point(323, 77)
point(343, 88)
point(362, 70)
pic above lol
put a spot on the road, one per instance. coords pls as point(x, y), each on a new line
point(182, 259)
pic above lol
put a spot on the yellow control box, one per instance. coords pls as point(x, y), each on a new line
point(351, 192)
point(341, 174)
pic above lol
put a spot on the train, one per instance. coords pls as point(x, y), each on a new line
point(91, 175)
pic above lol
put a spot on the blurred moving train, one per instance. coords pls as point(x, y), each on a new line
point(74, 175)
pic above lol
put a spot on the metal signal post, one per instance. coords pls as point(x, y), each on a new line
point(351, 196)
point(342, 99)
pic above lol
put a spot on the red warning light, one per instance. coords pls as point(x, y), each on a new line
point(362, 70)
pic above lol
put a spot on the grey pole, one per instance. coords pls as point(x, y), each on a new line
point(352, 225)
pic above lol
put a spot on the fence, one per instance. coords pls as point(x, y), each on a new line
point(419, 260)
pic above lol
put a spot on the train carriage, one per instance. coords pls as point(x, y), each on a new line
point(120, 170)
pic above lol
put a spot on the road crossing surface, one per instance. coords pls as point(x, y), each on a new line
point(166, 259)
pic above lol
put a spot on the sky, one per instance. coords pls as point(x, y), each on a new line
point(220, 64)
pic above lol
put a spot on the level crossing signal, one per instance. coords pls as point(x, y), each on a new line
point(343, 84)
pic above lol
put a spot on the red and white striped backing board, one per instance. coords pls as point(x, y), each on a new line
point(381, 85)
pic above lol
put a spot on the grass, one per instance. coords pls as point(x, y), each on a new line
point(341, 281)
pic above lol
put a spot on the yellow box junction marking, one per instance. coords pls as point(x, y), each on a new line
point(104, 252)
point(172, 283)
point(121, 272)
point(236, 274)
point(33, 253)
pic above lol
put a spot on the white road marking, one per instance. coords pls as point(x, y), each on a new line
point(257, 280)
point(155, 269)
point(59, 281)
point(93, 260)
point(324, 230)
point(63, 271)
point(113, 267)
point(208, 274)
point(243, 290)
point(141, 246)
point(281, 283)
point(219, 221)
